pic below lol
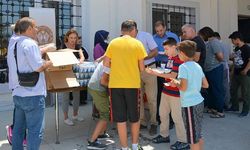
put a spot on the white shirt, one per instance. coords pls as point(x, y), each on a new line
point(28, 59)
point(13, 79)
point(148, 43)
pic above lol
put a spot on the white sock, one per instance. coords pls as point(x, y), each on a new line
point(126, 148)
point(135, 146)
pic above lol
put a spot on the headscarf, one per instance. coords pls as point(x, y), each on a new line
point(101, 37)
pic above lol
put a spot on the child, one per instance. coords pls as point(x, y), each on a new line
point(101, 101)
point(190, 80)
point(170, 99)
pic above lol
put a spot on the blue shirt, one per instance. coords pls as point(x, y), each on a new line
point(29, 59)
point(192, 72)
point(148, 43)
point(159, 41)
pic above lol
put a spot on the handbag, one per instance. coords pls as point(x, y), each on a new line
point(29, 79)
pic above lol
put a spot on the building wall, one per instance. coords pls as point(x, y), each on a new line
point(107, 15)
point(244, 7)
point(221, 15)
point(227, 18)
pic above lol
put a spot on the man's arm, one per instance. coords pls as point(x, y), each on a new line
point(219, 56)
point(204, 83)
point(181, 84)
point(163, 75)
point(105, 76)
point(47, 48)
point(105, 79)
point(141, 65)
point(153, 53)
point(45, 65)
point(106, 61)
point(246, 69)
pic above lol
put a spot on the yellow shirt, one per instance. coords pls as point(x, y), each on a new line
point(125, 53)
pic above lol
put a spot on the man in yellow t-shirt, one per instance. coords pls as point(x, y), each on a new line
point(125, 58)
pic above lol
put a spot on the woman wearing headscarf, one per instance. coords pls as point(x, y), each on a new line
point(100, 43)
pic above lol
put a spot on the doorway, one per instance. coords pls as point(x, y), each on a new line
point(244, 27)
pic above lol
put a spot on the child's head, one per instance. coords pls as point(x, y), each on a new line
point(187, 50)
point(170, 46)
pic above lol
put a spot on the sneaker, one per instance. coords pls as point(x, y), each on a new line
point(243, 114)
point(179, 145)
point(9, 134)
point(153, 130)
point(161, 139)
point(96, 145)
point(24, 143)
point(68, 122)
point(77, 118)
point(104, 136)
point(139, 147)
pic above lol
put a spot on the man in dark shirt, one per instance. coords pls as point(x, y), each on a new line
point(241, 77)
point(189, 33)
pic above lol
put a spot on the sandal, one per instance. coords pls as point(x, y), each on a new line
point(217, 115)
point(211, 111)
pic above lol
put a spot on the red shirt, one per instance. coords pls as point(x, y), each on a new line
point(173, 63)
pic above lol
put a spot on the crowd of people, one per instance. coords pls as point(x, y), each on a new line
point(176, 80)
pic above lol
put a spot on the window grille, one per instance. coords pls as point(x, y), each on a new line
point(12, 10)
point(173, 16)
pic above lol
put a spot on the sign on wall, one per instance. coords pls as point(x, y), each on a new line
point(46, 24)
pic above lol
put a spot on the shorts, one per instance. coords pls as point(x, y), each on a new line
point(101, 101)
point(192, 118)
point(125, 104)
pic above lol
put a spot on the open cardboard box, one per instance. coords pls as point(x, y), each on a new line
point(60, 75)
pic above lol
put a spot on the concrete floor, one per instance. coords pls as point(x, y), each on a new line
point(229, 133)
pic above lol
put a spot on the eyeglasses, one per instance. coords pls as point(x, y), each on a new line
point(34, 27)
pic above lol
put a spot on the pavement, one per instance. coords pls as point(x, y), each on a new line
point(229, 133)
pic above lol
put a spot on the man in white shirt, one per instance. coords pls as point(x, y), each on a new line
point(29, 101)
point(149, 82)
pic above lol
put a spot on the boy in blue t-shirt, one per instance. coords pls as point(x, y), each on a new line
point(170, 99)
point(190, 80)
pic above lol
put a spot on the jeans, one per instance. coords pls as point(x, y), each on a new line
point(29, 115)
point(216, 90)
point(226, 87)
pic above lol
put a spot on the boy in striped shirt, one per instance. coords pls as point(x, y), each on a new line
point(170, 99)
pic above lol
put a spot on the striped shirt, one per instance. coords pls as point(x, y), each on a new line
point(173, 64)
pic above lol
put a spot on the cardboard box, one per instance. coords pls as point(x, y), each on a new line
point(60, 75)
point(60, 68)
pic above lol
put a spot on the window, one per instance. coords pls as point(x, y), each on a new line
point(173, 16)
point(68, 15)
point(12, 10)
